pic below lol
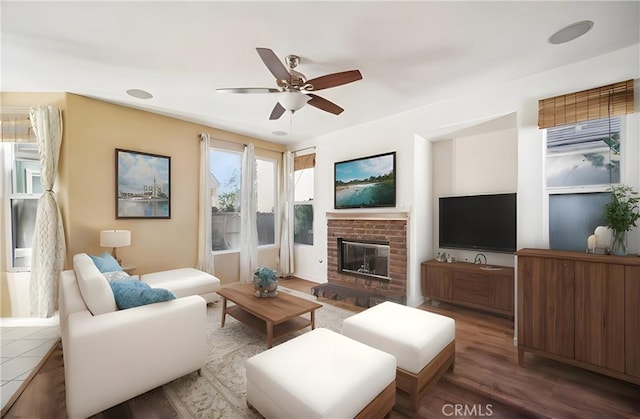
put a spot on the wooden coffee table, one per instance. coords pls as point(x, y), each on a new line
point(276, 316)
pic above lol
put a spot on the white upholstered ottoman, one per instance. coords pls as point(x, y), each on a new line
point(321, 374)
point(184, 282)
point(422, 342)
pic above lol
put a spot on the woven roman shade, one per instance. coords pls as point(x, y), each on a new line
point(305, 161)
point(15, 127)
point(601, 102)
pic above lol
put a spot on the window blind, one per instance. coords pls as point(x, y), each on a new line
point(587, 135)
point(305, 161)
point(600, 102)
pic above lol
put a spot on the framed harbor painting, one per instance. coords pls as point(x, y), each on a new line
point(143, 185)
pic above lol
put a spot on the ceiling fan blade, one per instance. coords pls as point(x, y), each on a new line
point(324, 104)
point(335, 79)
point(273, 63)
point(277, 111)
point(247, 90)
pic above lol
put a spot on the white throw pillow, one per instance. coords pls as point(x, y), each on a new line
point(94, 287)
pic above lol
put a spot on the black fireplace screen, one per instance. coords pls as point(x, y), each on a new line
point(364, 258)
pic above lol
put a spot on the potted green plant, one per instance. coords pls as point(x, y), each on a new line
point(621, 215)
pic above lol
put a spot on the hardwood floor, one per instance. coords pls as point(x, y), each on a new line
point(486, 363)
point(487, 382)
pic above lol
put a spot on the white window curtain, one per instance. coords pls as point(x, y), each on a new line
point(205, 248)
point(285, 262)
point(49, 249)
point(248, 211)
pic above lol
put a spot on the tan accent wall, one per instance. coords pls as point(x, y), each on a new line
point(86, 187)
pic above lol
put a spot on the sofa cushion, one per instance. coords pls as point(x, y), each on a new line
point(184, 281)
point(118, 275)
point(130, 293)
point(94, 287)
point(106, 263)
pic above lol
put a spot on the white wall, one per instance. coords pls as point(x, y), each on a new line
point(475, 164)
point(310, 261)
point(399, 132)
point(420, 229)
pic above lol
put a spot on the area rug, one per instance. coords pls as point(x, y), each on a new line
point(220, 391)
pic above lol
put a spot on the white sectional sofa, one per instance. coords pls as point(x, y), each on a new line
point(112, 355)
point(185, 281)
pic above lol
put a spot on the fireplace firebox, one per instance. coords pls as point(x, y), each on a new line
point(364, 258)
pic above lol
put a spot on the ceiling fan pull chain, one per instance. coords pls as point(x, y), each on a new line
point(291, 127)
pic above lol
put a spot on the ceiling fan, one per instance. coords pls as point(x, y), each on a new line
point(294, 89)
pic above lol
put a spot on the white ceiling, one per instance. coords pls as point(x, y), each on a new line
point(411, 54)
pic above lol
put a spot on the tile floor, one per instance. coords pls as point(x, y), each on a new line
point(24, 343)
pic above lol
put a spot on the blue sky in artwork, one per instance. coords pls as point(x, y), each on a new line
point(364, 169)
point(136, 170)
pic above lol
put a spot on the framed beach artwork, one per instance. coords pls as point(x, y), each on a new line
point(143, 185)
point(366, 182)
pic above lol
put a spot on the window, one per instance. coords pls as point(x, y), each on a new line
point(267, 193)
point(22, 180)
point(226, 178)
point(582, 160)
point(585, 140)
point(303, 197)
point(226, 181)
point(573, 217)
point(584, 154)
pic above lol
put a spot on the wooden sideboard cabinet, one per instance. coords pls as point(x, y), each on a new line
point(469, 285)
point(581, 309)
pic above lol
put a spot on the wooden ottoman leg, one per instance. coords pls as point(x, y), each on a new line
point(381, 406)
point(416, 384)
point(453, 360)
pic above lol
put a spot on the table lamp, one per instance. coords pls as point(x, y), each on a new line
point(114, 239)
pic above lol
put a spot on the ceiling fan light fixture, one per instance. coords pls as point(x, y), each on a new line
point(292, 101)
point(294, 91)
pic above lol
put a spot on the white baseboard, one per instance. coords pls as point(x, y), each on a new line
point(416, 301)
point(312, 278)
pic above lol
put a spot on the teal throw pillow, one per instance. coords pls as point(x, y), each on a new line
point(131, 293)
point(106, 263)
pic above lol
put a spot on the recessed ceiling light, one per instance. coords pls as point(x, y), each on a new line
point(571, 32)
point(279, 132)
point(139, 93)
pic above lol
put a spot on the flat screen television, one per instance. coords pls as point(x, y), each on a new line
point(478, 222)
point(366, 182)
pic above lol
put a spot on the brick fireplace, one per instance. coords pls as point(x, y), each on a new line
point(365, 290)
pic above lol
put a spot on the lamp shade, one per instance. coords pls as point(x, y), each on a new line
point(115, 238)
point(292, 101)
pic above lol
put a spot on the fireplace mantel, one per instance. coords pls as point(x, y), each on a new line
point(368, 214)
